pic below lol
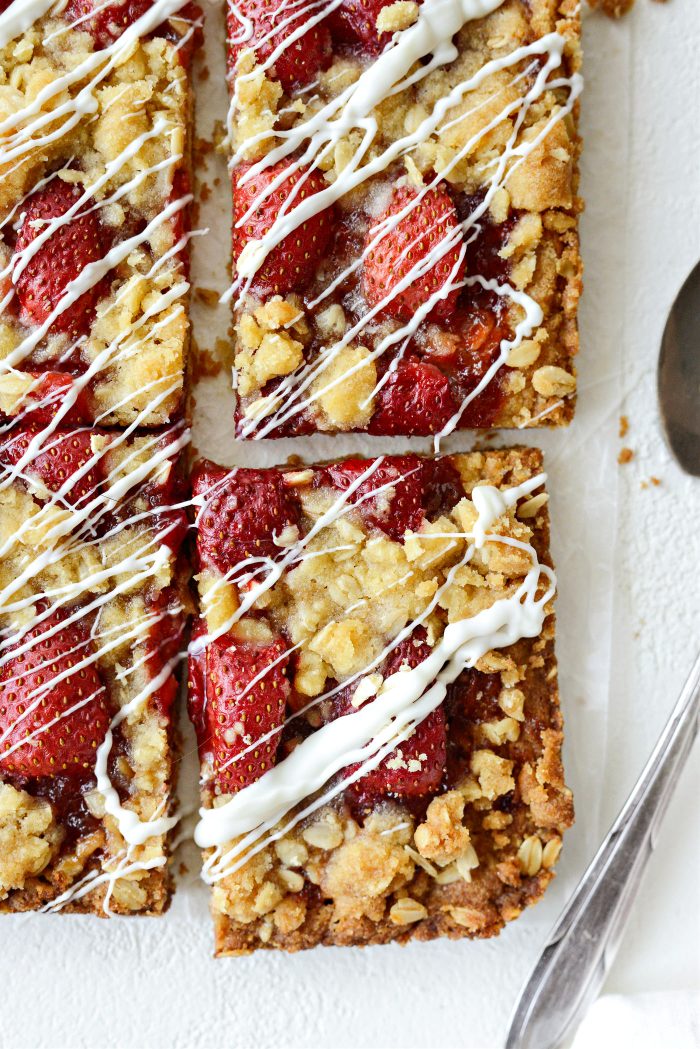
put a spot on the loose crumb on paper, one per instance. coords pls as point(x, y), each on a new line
point(626, 455)
point(616, 8)
point(624, 426)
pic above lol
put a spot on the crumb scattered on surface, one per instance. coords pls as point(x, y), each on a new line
point(625, 456)
point(208, 296)
point(616, 8)
point(624, 426)
point(613, 8)
point(656, 481)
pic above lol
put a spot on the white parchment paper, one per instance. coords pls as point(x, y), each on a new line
point(75, 981)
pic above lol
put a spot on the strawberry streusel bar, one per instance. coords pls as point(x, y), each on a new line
point(95, 115)
point(373, 685)
point(405, 237)
point(91, 613)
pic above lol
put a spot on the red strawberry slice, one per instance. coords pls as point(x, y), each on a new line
point(405, 245)
point(65, 453)
point(48, 394)
point(416, 399)
point(42, 283)
point(292, 263)
point(106, 22)
point(355, 22)
point(69, 745)
point(396, 508)
point(241, 709)
point(163, 645)
point(245, 510)
point(419, 767)
point(273, 22)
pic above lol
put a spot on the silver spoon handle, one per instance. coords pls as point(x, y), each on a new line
point(584, 941)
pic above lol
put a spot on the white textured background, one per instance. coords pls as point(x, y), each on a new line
point(629, 620)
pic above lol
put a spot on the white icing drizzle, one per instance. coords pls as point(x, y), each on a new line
point(256, 815)
point(310, 141)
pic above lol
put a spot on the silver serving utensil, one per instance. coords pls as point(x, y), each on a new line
point(678, 376)
point(581, 948)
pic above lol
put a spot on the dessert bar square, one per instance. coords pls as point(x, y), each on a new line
point(92, 603)
point(95, 121)
point(405, 238)
point(374, 689)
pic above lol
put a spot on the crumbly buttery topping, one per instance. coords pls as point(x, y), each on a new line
point(459, 176)
point(309, 606)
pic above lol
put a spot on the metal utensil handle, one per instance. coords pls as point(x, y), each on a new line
point(581, 948)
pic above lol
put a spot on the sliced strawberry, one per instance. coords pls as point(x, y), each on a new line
point(29, 682)
point(419, 233)
point(108, 21)
point(416, 400)
point(292, 263)
point(355, 22)
point(42, 283)
point(105, 22)
point(396, 508)
point(48, 395)
point(66, 452)
point(245, 510)
point(240, 709)
point(273, 22)
point(417, 765)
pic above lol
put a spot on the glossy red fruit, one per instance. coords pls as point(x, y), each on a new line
point(42, 283)
point(394, 509)
point(411, 241)
point(163, 645)
point(244, 512)
point(34, 703)
point(246, 694)
point(49, 394)
point(417, 765)
point(355, 22)
point(64, 453)
point(273, 23)
point(416, 399)
point(292, 263)
point(108, 21)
